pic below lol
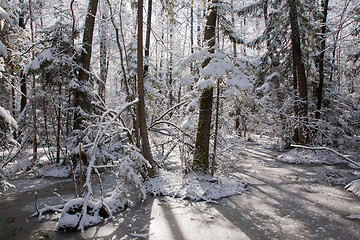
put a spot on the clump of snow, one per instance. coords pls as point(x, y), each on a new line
point(194, 187)
point(187, 80)
point(306, 156)
point(217, 68)
point(205, 83)
point(45, 56)
point(7, 117)
point(197, 56)
point(239, 80)
point(71, 213)
point(3, 51)
point(116, 202)
point(4, 15)
point(354, 187)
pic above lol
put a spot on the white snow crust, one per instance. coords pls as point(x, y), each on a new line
point(194, 187)
point(305, 156)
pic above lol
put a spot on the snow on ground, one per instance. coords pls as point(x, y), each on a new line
point(194, 187)
point(338, 177)
point(305, 156)
point(55, 170)
point(354, 187)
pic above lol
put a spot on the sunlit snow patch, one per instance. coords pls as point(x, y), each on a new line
point(194, 187)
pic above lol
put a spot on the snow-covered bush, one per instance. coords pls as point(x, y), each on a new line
point(7, 125)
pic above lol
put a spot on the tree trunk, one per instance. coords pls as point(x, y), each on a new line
point(23, 90)
point(103, 57)
point(300, 70)
point(35, 145)
point(81, 100)
point(147, 38)
point(146, 150)
point(324, 6)
point(201, 152)
point(58, 130)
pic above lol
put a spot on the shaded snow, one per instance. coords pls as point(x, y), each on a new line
point(55, 170)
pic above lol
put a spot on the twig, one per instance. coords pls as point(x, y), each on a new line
point(73, 176)
point(327, 149)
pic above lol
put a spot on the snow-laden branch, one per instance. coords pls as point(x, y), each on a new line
point(91, 165)
point(327, 149)
point(166, 112)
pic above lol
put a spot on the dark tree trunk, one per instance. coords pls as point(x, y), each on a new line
point(81, 99)
point(147, 38)
point(201, 152)
point(58, 130)
point(103, 58)
point(300, 69)
point(23, 90)
point(324, 5)
point(146, 150)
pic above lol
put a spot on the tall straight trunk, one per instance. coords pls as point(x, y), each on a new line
point(35, 145)
point(170, 69)
point(103, 57)
point(300, 69)
point(23, 97)
point(81, 99)
point(146, 150)
point(201, 152)
point(23, 90)
point(296, 99)
point(324, 6)
point(147, 37)
point(58, 129)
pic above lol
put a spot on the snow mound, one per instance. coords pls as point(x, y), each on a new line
point(56, 170)
point(354, 187)
point(71, 214)
point(194, 187)
point(306, 156)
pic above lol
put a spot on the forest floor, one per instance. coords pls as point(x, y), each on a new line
point(282, 201)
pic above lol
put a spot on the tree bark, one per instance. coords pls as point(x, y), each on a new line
point(103, 58)
point(81, 99)
point(300, 69)
point(324, 6)
point(23, 90)
point(146, 150)
point(147, 38)
point(201, 152)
